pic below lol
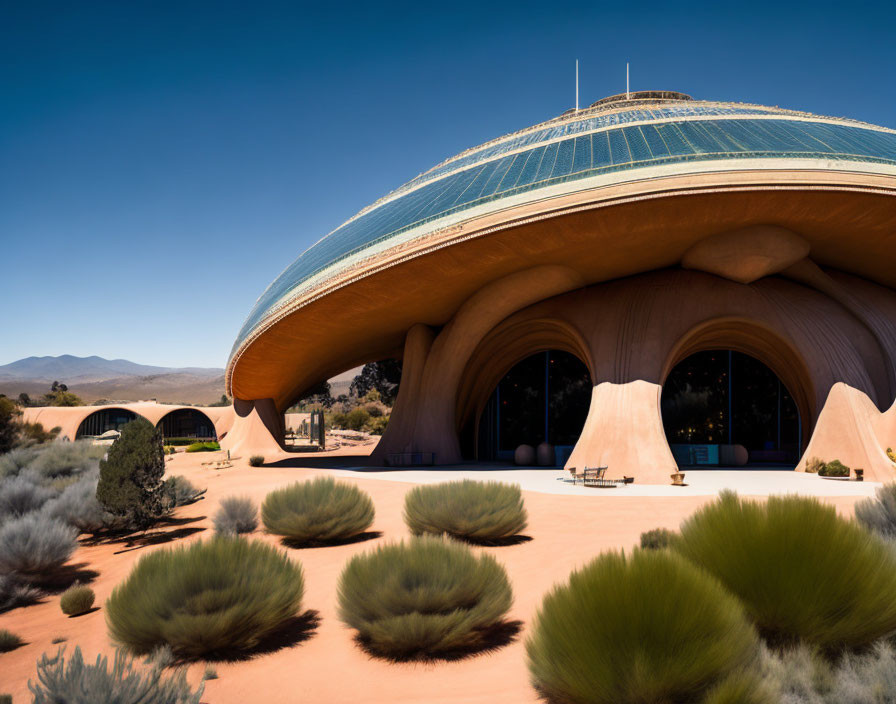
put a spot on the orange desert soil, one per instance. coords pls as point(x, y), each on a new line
point(567, 531)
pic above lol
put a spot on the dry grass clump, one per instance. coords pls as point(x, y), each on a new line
point(802, 676)
point(879, 514)
point(802, 573)
point(77, 600)
point(319, 511)
point(424, 599)
point(76, 682)
point(467, 509)
point(214, 597)
point(34, 545)
point(649, 627)
point(237, 515)
point(9, 641)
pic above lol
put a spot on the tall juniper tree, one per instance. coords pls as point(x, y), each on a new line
point(130, 484)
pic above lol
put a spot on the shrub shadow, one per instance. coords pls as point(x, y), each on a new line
point(359, 538)
point(131, 537)
point(157, 538)
point(494, 542)
point(59, 580)
point(491, 639)
point(84, 613)
point(289, 634)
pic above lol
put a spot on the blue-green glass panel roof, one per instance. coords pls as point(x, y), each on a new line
point(491, 173)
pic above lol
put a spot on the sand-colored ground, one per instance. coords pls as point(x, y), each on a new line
point(567, 530)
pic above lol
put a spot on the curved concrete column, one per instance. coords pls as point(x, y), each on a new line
point(624, 432)
point(866, 308)
point(434, 422)
point(399, 435)
point(258, 428)
point(846, 431)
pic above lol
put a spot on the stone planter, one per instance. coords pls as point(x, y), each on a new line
point(677, 479)
point(860, 474)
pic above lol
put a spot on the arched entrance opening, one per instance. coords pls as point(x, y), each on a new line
point(716, 400)
point(544, 397)
point(187, 423)
point(104, 420)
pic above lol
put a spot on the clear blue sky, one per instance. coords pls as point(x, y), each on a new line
point(161, 163)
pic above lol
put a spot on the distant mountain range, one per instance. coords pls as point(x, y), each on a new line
point(94, 378)
point(68, 368)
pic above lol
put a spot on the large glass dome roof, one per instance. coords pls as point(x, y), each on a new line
point(616, 135)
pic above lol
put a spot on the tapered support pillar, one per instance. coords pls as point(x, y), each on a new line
point(847, 430)
point(258, 429)
point(624, 432)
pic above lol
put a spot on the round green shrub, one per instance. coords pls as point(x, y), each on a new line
point(317, 511)
point(423, 599)
point(803, 573)
point(646, 628)
point(834, 468)
point(467, 509)
point(77, 600)
point(215, 597)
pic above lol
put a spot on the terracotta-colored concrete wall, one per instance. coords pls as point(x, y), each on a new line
point(631, 332)
point(69, 418)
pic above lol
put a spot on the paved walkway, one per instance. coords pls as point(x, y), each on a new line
point(702, 482)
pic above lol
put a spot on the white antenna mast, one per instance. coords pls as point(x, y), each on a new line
point(577, 85)
point(628, 94)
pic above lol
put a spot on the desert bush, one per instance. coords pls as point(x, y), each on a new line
point(467, 509)
point(802, 572)
point(179, 491)
point(14, 591)
point(35, 434)
point(377, 426)
point(317, 511)
point(79, 683)
point(650, 627)
point(834, 468)
point(210, 673)
point(745, 686)
point(130, 485)
point(355, 419)
point(66, 459)
point(801, 676)
point(203, 447)
point(16, 460)
point(9, 641)
point(427, 598)
point(891, 454)
point(237, 514)
point(77, 506)
point(657, 539)
point(33, 545)
point(77, 600)
point(256, 461)
point(20, 495)
point(814, 465)
point(213, 597)
point(180, 442)
point(879, 514)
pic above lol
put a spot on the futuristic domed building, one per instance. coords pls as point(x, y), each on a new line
point(650, 281)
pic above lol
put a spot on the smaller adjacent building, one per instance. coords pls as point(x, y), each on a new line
point(76, 422)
